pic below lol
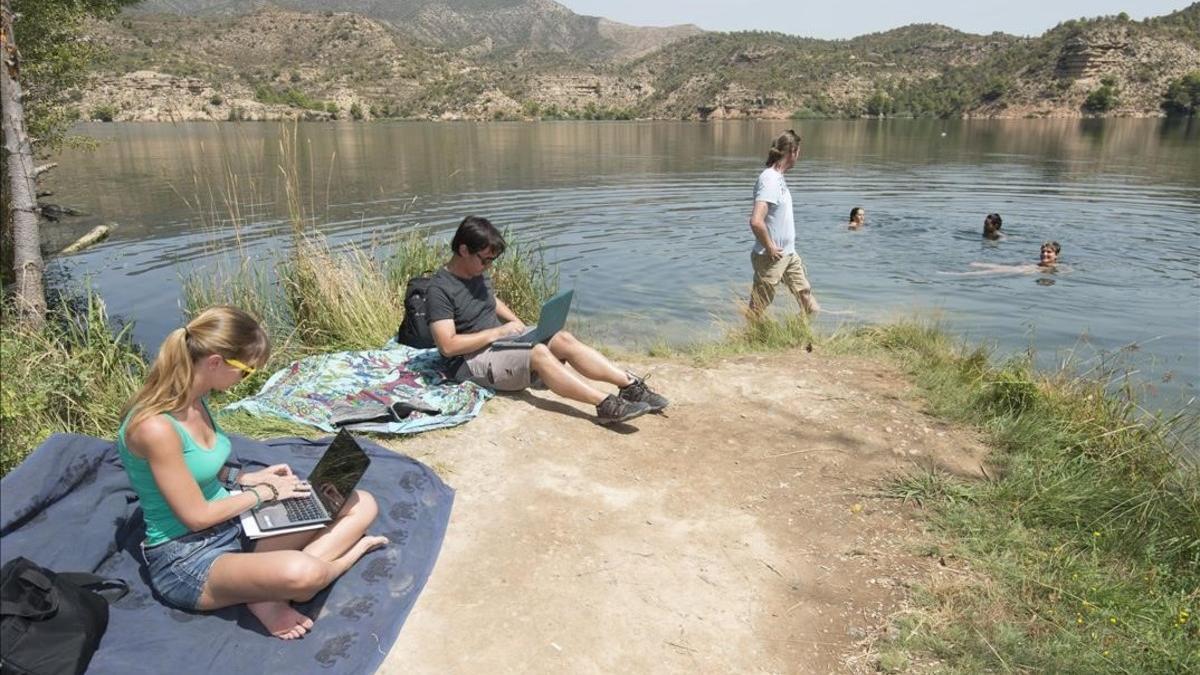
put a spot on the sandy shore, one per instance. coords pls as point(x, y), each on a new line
point(740, 532)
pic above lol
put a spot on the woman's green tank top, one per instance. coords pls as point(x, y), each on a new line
point(204, 463)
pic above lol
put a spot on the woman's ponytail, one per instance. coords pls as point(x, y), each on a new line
point(783, 146)
point(227, 331)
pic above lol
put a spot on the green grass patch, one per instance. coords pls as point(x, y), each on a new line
point(73, 375)
point(754, 335)
point(1084, 545)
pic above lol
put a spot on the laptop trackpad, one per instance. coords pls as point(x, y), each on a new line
point(271, 516)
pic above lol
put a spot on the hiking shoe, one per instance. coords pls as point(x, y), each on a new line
point(613, 409)
point(638, 392)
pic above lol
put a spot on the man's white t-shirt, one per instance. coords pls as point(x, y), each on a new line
point(781, 225)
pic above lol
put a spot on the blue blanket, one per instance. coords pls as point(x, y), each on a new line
point(69, 507)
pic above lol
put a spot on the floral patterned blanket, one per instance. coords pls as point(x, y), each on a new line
point(309, 391)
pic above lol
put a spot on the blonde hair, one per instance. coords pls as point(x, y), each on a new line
point(226, 331)
point(783, 146)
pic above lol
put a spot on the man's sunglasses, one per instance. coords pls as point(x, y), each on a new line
point(486, 261)
point(246, 370)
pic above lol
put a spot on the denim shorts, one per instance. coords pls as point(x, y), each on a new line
point(179, 567)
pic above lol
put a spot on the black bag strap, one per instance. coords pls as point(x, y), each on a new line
point(96, 584)
point(25, 608)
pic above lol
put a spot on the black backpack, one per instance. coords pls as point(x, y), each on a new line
point(414, 327)
point(50, 623)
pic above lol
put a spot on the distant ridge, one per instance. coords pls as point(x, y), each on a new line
point(494, 25)
point(535, 59)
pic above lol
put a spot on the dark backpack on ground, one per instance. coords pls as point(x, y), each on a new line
point(50, 623)
point(414, 327)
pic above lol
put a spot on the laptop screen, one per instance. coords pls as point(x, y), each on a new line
point(339, 470)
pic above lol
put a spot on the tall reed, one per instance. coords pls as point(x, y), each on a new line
point(339, 301)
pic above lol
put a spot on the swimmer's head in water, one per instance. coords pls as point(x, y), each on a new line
point(1049, 253)
point(991, 226)
point(858, 215)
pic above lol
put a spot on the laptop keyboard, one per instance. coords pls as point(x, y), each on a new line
point(303, 508)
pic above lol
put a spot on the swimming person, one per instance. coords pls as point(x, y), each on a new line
point(774, 256)
point(1047, 262)
point(1048, 257)
point(991, 226)
point(858, 218)
point(174, 453)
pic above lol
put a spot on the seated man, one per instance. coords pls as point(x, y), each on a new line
point(466, 317)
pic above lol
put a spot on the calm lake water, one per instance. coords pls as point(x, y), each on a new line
point(647, 220)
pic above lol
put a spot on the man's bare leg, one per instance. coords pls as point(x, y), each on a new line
point(586, 360)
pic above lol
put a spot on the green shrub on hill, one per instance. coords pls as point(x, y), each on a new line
point(880, 104)
point(1182, 97)
point(290, 96)
point(105, 112)
point(1104, 98)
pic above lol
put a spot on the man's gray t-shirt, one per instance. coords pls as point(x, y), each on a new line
point(781, 225)
point(471, 303)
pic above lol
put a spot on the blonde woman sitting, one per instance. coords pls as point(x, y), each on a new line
point(175, 454)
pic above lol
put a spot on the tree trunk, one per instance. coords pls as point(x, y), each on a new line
point(29, 292)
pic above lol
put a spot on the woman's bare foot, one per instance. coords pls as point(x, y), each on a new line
point(280, 619)
point(366, 545)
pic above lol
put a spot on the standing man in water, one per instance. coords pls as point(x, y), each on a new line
point(774, 256)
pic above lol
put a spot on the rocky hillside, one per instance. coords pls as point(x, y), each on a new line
point(739, 75)
point(496, 27)
point(206, 63)
point(927, 70)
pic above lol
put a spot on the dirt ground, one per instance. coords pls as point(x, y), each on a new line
point(743, 531)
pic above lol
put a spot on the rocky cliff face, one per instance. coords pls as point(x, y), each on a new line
point(1084, 57)
point(1140, 64)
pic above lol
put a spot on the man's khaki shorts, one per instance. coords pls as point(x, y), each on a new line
point(501, 369)
point(769, 273)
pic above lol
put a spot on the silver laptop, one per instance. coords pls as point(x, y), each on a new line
point(550, 321)
point(333, 481)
